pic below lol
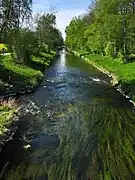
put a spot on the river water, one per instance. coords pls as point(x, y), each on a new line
point(83, 129)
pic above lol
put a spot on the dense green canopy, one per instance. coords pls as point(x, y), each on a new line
point(17, 31)
point(108, 28)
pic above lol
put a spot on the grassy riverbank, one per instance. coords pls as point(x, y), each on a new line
point(123, 74)
point(15, 76)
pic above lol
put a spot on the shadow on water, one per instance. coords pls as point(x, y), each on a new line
point(86, 133)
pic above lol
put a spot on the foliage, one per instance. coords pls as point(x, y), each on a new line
point(3, 46)
point(108, 28)
point(6, 115)
point(9, 64)
point(109, 31)
point(75, 38)
point(18, 74)
point(18, 33)
point(26, 45)
point(49, 37)
point(13, 15)
point(120, 56)
point(22, 44)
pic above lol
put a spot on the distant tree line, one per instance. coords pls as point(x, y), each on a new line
point(108, 29)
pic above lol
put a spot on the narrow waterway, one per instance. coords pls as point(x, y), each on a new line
point(83, 128)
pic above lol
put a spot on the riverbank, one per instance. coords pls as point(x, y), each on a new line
point(123, 75)
point(18, 79)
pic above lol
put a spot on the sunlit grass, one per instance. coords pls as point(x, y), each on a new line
point(24, 74)
point(40, 60)
point(19, 68)
point(46, 55)
point(123, 71)
point(44, 58)
point(30, 75)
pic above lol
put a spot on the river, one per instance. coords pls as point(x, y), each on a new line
point(83, 129)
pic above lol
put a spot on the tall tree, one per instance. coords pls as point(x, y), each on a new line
point(13, 13)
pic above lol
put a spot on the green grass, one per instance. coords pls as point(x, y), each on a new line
point(124, 72)
point(46, 55)
point(21, 75)
point(18, 72)
point(41, 60)
point(6, 115)
point(18, 68)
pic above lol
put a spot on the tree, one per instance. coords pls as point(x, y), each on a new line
point(109, 29)
point(75, 33)
point(47, 33)
point(13, 15)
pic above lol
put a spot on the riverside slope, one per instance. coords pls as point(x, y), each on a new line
point(114, 82)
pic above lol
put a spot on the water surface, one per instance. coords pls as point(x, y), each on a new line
point(84, 129)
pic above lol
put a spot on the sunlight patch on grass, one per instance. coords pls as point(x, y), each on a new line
point(40, 60)
point(9, 64)
point(124, 72)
